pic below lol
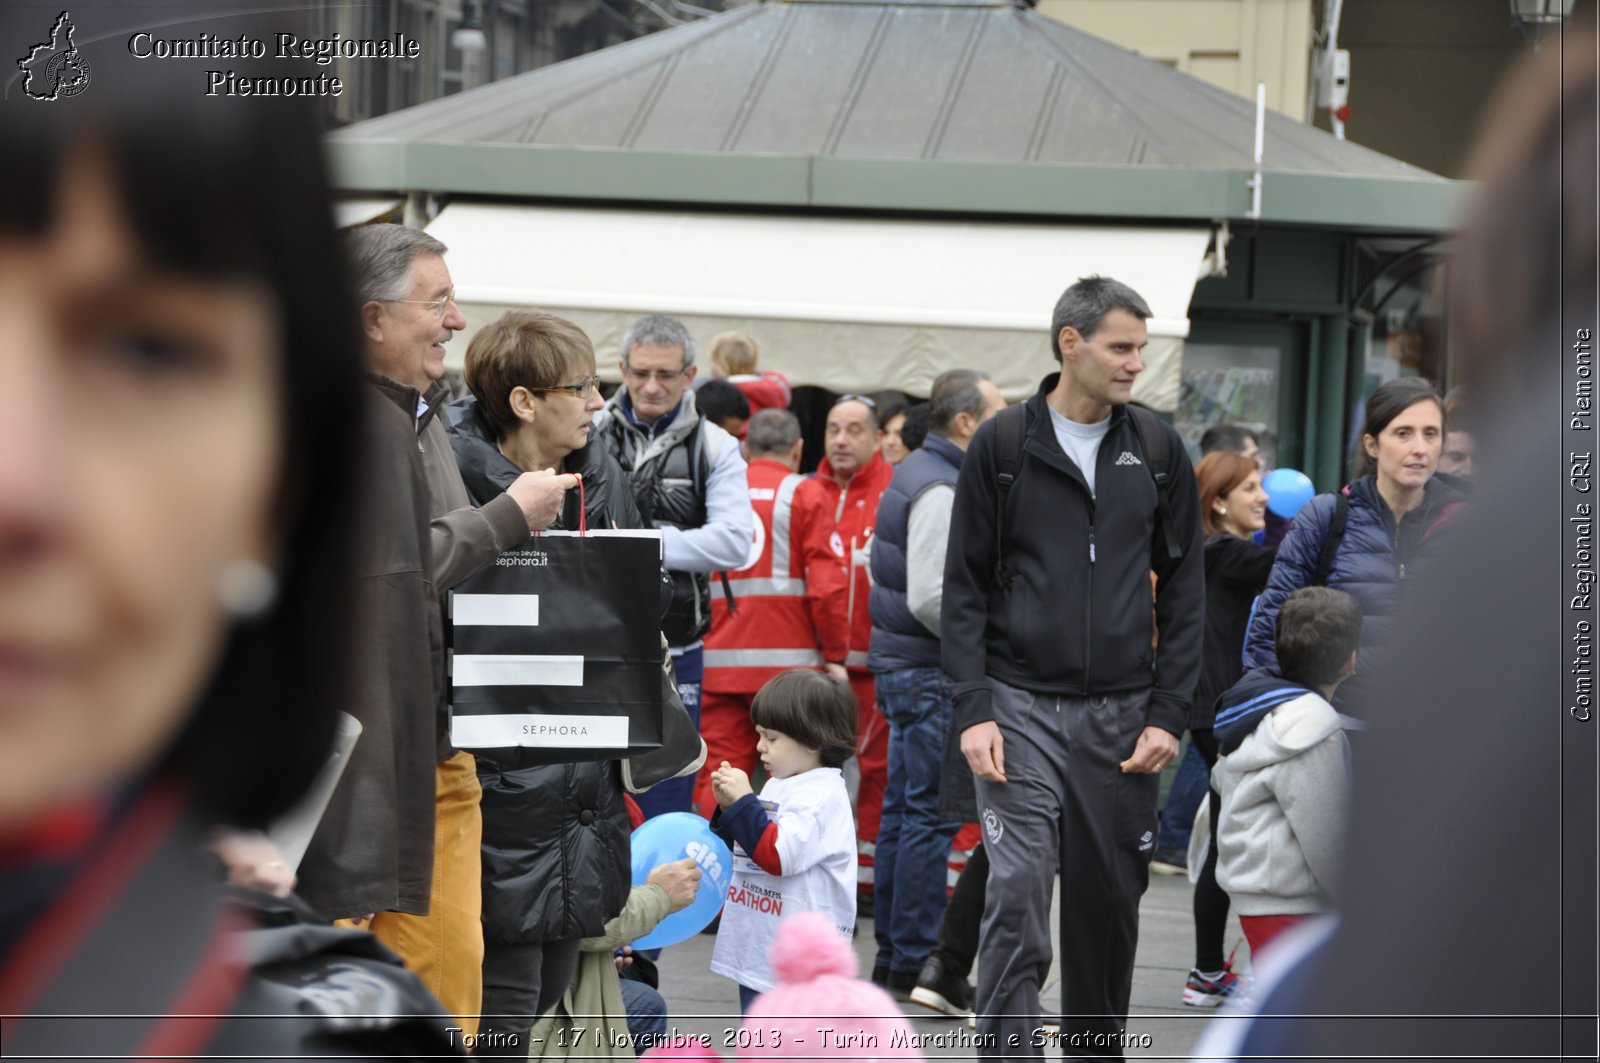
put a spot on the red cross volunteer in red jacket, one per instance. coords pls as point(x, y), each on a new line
point(780, 612)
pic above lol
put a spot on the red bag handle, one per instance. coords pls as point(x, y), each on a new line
point(583, 510)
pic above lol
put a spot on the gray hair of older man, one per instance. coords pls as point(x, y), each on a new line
point(381, 256)
point(955, 391)
point(659, 330)
point(772, 432)
point(1085, 305)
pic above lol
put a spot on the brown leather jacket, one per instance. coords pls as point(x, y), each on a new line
point(373, 850)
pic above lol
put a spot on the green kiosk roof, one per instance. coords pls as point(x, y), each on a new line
point(846, 105)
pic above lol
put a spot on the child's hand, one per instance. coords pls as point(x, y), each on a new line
point(729, 784)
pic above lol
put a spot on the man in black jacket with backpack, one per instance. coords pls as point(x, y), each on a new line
point(1066, 715)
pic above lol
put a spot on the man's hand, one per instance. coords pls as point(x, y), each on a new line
point(985, 751)
point(681, 880)
point(1155, 750)
point(252, 860)
point(838, 671)
point(728, 784)
point(540, 495)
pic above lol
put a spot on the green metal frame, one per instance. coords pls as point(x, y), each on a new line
point(788, 182)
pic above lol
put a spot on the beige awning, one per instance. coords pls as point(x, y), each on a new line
point(850, 304)
point(348, 212)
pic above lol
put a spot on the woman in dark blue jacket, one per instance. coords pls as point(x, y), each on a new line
point(1394, 508)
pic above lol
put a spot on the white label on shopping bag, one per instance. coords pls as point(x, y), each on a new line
point(574, 732)
point(515, 670)
point(495, 610)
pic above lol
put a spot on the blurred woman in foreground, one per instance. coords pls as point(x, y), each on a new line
point(1471, 845)
point(177, 481)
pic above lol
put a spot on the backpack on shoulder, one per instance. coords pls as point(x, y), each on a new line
point(1011, 432)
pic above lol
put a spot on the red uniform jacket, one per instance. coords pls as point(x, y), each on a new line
point(849, 513)
point(779, 594)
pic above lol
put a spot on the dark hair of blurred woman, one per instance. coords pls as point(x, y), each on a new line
point(217, 197)
point(178, 502)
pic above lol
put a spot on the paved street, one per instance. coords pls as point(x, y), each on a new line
point(702, 1003)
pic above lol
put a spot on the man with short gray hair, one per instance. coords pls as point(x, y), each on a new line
point(688, 479)
point(908, 579)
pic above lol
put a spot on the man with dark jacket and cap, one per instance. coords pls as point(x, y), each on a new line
point(1046, 636)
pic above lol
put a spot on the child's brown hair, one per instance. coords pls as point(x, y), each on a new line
point(811, 707)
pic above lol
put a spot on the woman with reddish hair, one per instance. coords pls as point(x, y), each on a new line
point(1233, 507)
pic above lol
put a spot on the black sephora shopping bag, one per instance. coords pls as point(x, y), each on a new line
point(556, 649)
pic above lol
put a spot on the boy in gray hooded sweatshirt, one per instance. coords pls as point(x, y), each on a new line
point(1284, 769)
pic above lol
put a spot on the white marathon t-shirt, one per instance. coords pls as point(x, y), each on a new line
point(1080, 441)
point(817, 851)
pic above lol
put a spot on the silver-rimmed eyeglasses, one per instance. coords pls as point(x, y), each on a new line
point(439, 307)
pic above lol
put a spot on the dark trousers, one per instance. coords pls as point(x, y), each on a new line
point(958, 934)
point(520, 983)
point(1210, 899)
point(1066, 807)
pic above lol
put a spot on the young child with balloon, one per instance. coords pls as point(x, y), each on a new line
point(795, 843)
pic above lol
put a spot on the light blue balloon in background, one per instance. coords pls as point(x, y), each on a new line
point(672, 837)
point(1287, 490)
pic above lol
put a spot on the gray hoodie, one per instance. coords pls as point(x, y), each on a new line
point(1285, 796)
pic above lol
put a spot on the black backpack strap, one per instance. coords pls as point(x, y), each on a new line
point(1330, 542)
point(1157, 446)
point(1010, 427)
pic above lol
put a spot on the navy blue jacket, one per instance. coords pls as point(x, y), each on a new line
point(1374, 563)
point(898, 639)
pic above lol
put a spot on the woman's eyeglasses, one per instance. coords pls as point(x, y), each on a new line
point(577, 391)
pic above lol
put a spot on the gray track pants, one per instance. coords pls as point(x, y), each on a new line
point(1065, 805)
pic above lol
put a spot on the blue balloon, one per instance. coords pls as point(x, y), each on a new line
point(672, 837)
point(1287, 490)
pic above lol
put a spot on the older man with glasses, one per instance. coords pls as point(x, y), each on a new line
point(397, 849)
point(688, 479)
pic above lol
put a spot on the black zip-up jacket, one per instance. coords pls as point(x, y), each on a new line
point(1067, 608)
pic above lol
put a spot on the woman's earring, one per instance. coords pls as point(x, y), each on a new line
point(247, 588)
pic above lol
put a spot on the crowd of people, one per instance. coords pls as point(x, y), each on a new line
point(237, 495)
point(1012, 626)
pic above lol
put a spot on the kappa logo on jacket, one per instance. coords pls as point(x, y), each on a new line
point(1127, 458)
